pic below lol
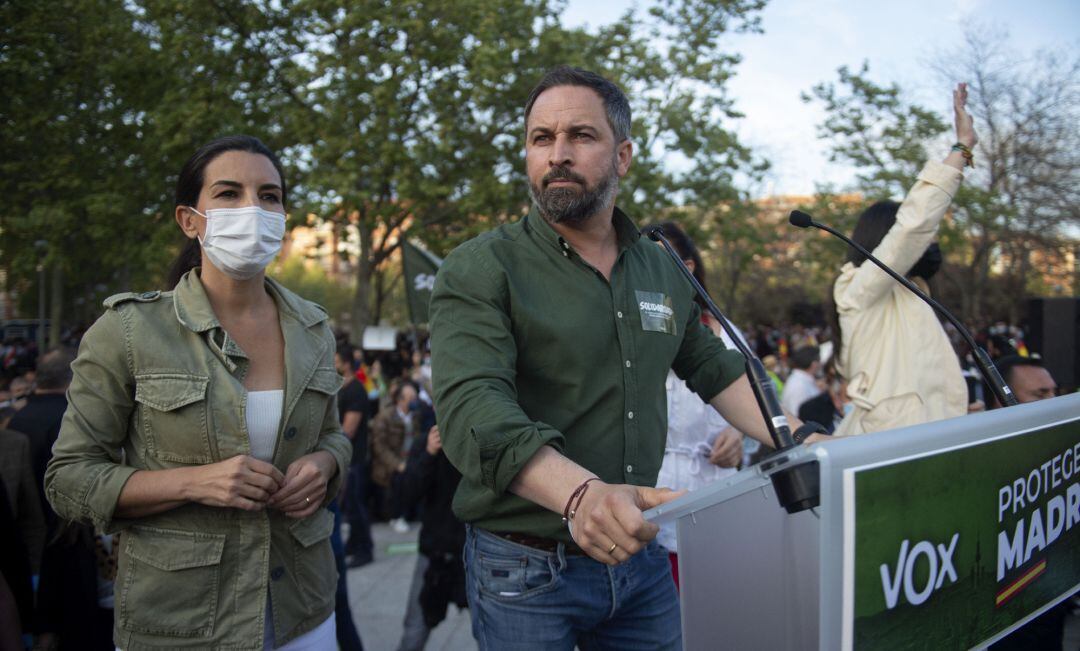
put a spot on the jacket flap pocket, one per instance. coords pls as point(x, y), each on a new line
point(325, 380)
point(168, 549)
point(313, 528)
point(169, 391)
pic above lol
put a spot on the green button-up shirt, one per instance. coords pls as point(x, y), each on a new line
point(532, 346)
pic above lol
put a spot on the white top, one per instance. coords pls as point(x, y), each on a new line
point(799, 388)
point(899, 364)
point(263, 419)
point(693, 427)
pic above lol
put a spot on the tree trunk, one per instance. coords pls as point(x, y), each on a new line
point(56, 305)
point(379, 280)
point(361, 306)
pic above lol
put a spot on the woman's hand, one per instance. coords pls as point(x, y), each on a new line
point(304, 488)
point(727, 449)
point(241, 482)
point(965, 127)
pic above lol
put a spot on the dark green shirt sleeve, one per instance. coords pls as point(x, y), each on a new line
point(485, 433)
point(704, 362)
point(85, 476)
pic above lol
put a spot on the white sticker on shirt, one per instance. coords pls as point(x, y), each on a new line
point(657, 314)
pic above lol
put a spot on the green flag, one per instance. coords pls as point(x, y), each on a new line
point(420, 267)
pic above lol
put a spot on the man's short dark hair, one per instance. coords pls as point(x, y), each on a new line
point(803, 358)
point(345, 351)
point(616, 106)
point(1006, 364)
point(54, 369)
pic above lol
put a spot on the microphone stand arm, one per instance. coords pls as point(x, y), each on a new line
point(760, 382)
point(797, 487)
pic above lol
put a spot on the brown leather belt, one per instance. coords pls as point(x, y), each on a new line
point(536, 542)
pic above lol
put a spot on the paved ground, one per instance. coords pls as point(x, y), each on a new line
point(378, 592)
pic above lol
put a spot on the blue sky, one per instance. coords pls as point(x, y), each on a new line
point(805, 41)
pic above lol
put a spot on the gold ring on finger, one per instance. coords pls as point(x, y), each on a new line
point(613, 546)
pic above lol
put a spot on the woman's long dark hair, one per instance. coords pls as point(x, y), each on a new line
point(686, 249)
point(873, 224)
point(190, 183)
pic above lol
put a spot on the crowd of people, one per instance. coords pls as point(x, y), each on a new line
point(183, 480)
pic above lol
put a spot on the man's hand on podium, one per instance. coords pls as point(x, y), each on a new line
point(608, 524)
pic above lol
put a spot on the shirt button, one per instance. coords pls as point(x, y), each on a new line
point(277, 573)
point(630, 415)
point(627, 363)
point(618, 314)
point(290, 433)
point(566, 254)
point(629, 469)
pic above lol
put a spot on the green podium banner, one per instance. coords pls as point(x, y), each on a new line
point(951, 549)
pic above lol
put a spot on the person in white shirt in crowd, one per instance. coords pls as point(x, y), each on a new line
point(801, 384)
point(701, 446)
point(900, 366)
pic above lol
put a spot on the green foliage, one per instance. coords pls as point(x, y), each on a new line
point(308, 279)
point(390, 117)
point(1022, 198)
point(873, 128)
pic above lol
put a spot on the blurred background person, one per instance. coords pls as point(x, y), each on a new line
point(1027, 377)
point(830, 406)
point(701, 447)
point(802, 382)
point(392, 434)
point(438, 579)
point(353, 412)
point(40, 419)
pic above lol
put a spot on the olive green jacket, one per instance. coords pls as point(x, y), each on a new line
point(158, 384)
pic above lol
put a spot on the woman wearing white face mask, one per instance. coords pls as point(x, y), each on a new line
point(203, 428)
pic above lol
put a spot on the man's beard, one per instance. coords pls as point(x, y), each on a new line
point(569, 205)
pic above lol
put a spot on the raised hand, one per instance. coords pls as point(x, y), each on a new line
point(965, 127)
point(241, 482)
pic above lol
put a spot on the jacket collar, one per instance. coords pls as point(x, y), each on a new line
point(193, 308)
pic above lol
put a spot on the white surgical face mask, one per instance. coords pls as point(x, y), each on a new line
point(240, 242)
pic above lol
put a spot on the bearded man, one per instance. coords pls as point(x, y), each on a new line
point(551, 341)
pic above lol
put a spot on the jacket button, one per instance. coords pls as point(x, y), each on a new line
point(290, 433)
point(277, 573)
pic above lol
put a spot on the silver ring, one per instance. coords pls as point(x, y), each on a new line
point(308, 500)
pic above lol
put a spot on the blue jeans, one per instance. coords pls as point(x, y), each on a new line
point(523, 599)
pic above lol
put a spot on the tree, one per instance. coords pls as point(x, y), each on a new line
point(70, 109)
point(1022, 196)
point(411, 112)
point(392, 118)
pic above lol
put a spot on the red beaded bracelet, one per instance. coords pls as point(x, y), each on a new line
point(578, 494)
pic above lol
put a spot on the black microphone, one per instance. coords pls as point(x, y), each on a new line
point(989, 372)
point(796, 487)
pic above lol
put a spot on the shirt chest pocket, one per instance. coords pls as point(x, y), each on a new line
point(172, 413)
